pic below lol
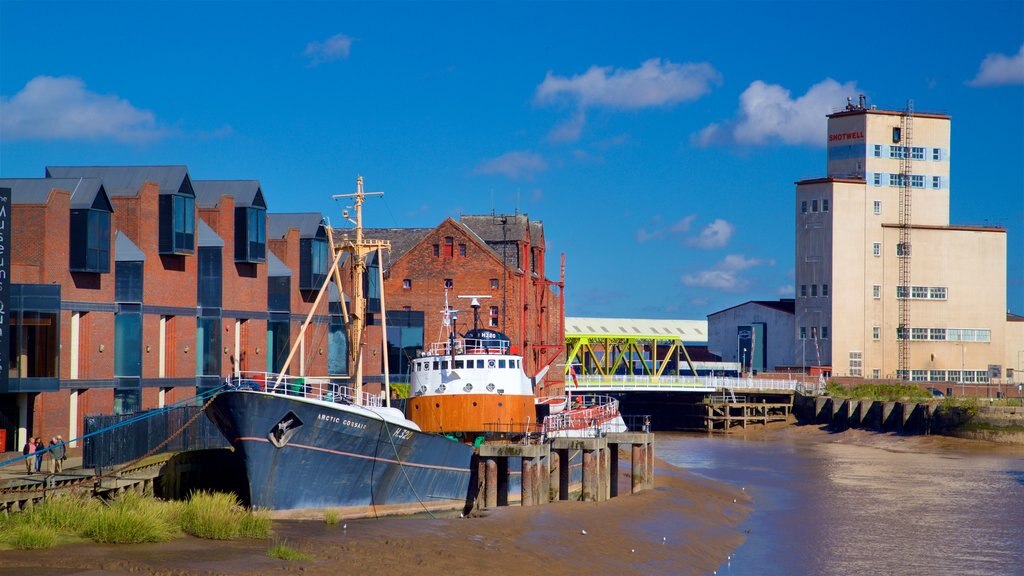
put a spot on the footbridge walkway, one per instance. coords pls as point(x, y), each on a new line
point(705, 384)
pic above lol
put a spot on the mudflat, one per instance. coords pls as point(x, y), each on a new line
point(685, 525)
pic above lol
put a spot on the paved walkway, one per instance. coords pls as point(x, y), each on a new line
point(13, 474)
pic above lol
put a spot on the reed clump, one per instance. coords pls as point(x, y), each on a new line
point(133, 519)
point(283, 551)
point(220, 516)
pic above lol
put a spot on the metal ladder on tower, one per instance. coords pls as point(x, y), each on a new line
point(903, 249)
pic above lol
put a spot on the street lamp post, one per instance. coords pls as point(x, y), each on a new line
point(743, 363)
point(963, 387)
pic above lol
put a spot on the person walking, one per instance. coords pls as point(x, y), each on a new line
point(40, 449)
point(60, 454)
point(28, 450)
point(51, 455)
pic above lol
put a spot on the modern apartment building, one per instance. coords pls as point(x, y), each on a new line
point(877, 280)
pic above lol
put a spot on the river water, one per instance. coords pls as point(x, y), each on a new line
point(866, 503)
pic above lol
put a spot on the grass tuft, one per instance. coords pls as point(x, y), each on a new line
point(331, 517)
point(65, 513)
point(132, 519)
point(219, 516)
point(283, 551)
point(27, 536)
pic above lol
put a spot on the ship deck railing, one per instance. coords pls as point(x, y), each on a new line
point(335, 389)
point(469, 346)
point(583, 411)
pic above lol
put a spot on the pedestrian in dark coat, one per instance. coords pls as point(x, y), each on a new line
point(60, 454)
point(40, 449)
point(28, 450)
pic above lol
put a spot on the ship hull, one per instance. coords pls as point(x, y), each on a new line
point(306, 454)
point(470, 414)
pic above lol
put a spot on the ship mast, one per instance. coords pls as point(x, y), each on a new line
point(358, 249)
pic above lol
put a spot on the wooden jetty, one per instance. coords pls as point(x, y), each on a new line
point(724, 412)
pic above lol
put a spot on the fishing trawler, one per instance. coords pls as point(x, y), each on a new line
point(321, 442)
point(472, 385)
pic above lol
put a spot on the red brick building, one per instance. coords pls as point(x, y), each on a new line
point(135, 287)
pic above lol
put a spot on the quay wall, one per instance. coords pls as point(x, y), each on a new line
point(997, 423)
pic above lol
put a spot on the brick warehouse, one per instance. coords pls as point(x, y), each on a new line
point(132, 287)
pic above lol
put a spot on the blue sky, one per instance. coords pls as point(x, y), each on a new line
point(658, 142)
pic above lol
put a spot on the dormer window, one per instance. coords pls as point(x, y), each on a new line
point(177, 224)
point(312, 263)
point(250, 234)
point(90, 241)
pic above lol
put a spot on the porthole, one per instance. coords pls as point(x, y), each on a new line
point(437, 404)
point(500, 404)
point(474, 403)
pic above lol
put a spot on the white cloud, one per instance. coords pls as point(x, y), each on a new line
point(61, 108)
point(726, 274)
point(1001, 70)
point(654, 230)
point(655, 83)
point(769, 114)
point(515, 165)
point(714, 235)
point(336, 47)
point(787, 290)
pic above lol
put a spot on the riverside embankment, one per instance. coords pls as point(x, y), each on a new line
point(971, 419)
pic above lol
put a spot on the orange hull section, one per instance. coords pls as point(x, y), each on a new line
point(474, 413)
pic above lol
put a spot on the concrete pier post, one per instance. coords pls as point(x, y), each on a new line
point(528, 482)
point(503, 481)
point(563, 474)
point(613, 471)
point(554, 475)
point(589, 476)
point(638, 463)
point(603, 468)
point(649, 452)
point(491, 483)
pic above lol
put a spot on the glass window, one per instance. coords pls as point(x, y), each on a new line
point(128, 341)
point(876, 291)
point(902, 333)
point(90, 241)
point(279, 298)
point(494, 284)
point(876, 332)
point(803, 290)
point(479, 363)
point(937, 376)
point(127, 400)
point(937, 293)
point(448, 283)
point(824, 289)
point(919, 292)
point(208, 339)
point(501, 363)
point(876, 248)
point(803, 332)
point(877, 208)
point(407, 284)
point(437, 250)
point(462, 250)
point(824, 205)
point(916, 181)
point(917, 153)
point(278, 341)
point(902, 292)
point(211, 285)
point(936, 182)
point(250, 234)
point(919, 375)
point(878, 151)
point(313, 263)
point(936, 154)
point(814, 205)
point(177, 224)
point(449, 246)
point(896, 151)
point(918, 333)
point(902, 249)
point(337, 346)
point(803, 206)
point(878, 179)
point(936, 333)
point(814, 290)
point(824, 332)
point(494, 316)
point(128, 280)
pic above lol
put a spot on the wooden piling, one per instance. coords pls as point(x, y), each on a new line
point(528, 481)
point(491, 483)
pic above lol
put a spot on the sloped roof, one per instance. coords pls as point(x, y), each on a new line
point(497, 227)
point(246, 193)
point(308, 224)
point(685, 330)
point(402, 239)
point(786, 305)
point(1011, 317)
point(207, 237)
point(126, 251)
point(128, 180)
point(275, 267)
point(85, 192)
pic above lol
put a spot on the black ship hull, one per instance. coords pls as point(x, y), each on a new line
point(307, 454)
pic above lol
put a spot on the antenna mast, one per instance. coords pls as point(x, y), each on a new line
point(359, 249)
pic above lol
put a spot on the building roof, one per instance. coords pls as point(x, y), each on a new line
point(1011, 317)
point(207, 237)
point(832, 179)
point(402, 239)
point(496, 228)
point(685, 330)
point(786, 305)
point(247, 193)
point(308, 224)
point(275, 267)
point(128, 180)
point(125, 250)
point(858, 111)
point(86, 193)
